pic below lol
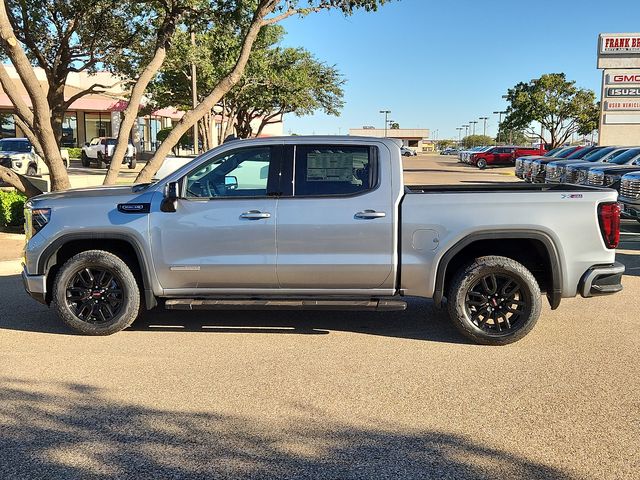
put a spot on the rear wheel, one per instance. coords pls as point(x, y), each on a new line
point(101, 163)
point(85, 160)
point(95, 293)
point(31, 171)
point(481, 164)
point(494, 301)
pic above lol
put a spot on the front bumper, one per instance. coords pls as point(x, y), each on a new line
point(602, 280)
point(35, 285)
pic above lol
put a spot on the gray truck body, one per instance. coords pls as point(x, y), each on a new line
point(387, 242)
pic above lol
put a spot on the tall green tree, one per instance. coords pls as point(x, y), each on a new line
point(514, 137)
point(277, 81)
point(556, 104)
point(265, 12)
point(477, 140)
point(74, 36)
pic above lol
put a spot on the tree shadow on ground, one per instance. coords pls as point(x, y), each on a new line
point(73, 431)
point(421, 321)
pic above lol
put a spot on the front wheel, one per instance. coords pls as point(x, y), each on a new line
point(481, 164)
point(494, 301)
point(85, 160)
point(132, 164)
point(95, 293)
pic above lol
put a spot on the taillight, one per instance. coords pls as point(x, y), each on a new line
point(609, 218)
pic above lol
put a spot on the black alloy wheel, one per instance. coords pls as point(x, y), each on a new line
point(95, 295)
point(494, 300)
point(496, 303)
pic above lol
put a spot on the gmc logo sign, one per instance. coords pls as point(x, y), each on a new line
point(620, 78)
point(626, 78)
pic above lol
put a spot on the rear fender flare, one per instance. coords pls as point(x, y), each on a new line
point(554, 294)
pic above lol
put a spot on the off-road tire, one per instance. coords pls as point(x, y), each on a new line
point(31, 171)
point(100, 161)
point(85, 160)
point(131, 303)
point(470, 275)
point(132, 164)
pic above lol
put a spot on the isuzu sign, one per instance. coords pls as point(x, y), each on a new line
point(623, 78)
point(619, 45)
point(623, 92)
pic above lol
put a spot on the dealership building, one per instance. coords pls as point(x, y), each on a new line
point(619, 60)
point(414, 138)
point(99, 114)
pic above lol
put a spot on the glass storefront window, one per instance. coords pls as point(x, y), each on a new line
point(70, 130)
point(8, 125)
point(97, 125)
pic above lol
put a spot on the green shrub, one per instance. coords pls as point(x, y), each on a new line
point(74, 152)
point(11, 209)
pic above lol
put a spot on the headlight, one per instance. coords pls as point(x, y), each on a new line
point(17, 164)
point(35, 219)
point(611, 179)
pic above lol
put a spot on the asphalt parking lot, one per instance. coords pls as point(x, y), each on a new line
point(324, 395)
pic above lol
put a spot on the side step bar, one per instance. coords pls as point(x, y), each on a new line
point(201, 304)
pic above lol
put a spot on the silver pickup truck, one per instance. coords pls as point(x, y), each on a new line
point(319, 223)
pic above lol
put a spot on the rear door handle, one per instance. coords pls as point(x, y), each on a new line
point(255, 215)
point(370, 214)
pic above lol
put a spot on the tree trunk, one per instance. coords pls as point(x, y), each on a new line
point(19, 182)
point(55, 99)
point(131, 113)
point(41, 111)
point(221, 89)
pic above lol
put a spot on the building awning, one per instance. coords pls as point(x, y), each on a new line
point(96, 103)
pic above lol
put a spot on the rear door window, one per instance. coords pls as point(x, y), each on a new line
point(334, 170)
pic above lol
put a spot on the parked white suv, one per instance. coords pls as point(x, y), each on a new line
point(19, 155)
point(100, 150)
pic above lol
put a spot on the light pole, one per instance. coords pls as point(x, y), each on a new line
point(484, 130)
point(466, 130)
point(386, 120)
point(459, 132)
point(500, 113)
point(473, 122)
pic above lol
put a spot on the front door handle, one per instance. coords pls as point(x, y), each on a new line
point(255, 215)
point(370, 214)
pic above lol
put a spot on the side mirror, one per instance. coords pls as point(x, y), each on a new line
point(231, 182)
point(86, 144)
point(171, 194)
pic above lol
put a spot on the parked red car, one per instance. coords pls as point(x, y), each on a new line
point(503, 155)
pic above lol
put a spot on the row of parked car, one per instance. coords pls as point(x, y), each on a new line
point(599, 166)
point(483, 156)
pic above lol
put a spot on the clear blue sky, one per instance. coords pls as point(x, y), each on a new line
point(438, 64)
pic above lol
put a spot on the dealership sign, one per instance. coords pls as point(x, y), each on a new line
point(630, 105)
point(620, 44)
point(623, 92)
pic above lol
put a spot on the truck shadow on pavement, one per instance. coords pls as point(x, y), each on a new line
point(421, 321)
point(76, 431)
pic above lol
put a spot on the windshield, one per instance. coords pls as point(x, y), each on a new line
point(598, 154)
point(551, 153)
point(565, 153)
point(625, 157)
point(581, 153)
point(15, 146)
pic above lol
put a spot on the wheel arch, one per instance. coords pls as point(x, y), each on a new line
point(538, 247)
point(122, 245)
